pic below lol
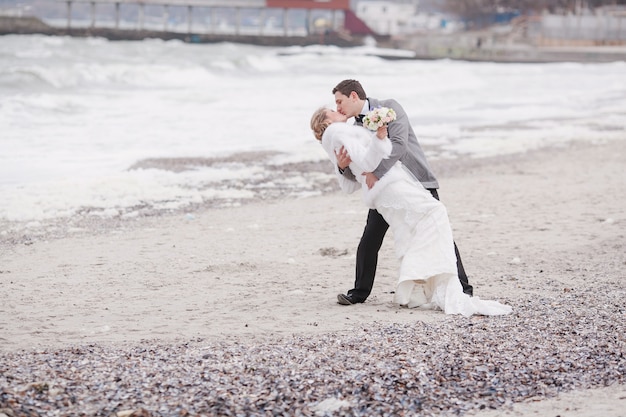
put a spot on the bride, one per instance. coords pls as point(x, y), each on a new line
point(421, 229)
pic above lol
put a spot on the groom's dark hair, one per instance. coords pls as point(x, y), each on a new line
point(347, 86)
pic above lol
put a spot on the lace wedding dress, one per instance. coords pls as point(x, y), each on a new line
point(419, 223)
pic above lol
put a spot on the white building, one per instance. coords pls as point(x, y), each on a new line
point(398, 17)
point(386, 17)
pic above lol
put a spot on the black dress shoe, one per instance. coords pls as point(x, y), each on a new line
point(347, 300)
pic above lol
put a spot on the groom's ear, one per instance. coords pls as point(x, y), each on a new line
point(354, 95)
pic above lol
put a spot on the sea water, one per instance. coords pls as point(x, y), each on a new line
point(78, 116)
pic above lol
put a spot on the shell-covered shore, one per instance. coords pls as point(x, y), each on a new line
point(548, 345)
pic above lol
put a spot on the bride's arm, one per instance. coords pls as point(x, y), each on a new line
point(331, 144)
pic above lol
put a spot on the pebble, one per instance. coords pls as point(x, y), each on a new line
point(453, 366)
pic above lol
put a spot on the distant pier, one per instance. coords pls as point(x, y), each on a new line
point(338, 16)
point(256, 22)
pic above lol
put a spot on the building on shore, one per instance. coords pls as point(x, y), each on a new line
point(264, 22)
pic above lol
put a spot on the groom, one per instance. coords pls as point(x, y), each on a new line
point(352, 101)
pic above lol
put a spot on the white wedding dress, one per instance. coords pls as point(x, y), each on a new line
point(419, 222)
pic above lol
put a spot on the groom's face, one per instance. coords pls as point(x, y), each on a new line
point(348, 105)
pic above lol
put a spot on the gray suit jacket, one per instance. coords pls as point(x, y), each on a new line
point(405, 147)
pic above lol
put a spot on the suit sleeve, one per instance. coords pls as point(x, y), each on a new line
point(398, 131)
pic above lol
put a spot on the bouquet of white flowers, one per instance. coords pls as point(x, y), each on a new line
point(378, 118)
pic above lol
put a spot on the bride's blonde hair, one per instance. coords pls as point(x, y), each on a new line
point(319, 122)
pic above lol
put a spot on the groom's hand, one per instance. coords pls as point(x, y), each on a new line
point(343, 159)
point(370, 179)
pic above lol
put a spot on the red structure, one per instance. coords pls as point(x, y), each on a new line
point(309, 4)
point(352, 23)
point(356, 26)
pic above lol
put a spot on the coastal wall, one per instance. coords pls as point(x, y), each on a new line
point(496, 47)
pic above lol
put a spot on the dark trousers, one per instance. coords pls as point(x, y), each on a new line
point(367, 256)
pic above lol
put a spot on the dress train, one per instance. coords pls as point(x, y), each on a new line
point(423, 242)
point(445, 292)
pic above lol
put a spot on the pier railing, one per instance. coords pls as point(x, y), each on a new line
point(306, 16)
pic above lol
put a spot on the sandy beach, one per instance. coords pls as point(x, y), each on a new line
point(543, 232)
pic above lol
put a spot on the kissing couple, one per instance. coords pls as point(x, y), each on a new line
point(386, 162)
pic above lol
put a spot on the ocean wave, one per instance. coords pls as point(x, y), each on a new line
point(82, 109)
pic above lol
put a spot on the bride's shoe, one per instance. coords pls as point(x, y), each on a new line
point(418, 297)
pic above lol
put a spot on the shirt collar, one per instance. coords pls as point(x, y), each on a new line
point(366, 107)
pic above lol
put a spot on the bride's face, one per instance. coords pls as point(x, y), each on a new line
point(335, 116)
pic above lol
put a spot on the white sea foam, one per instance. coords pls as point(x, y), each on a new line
point(76, 114)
